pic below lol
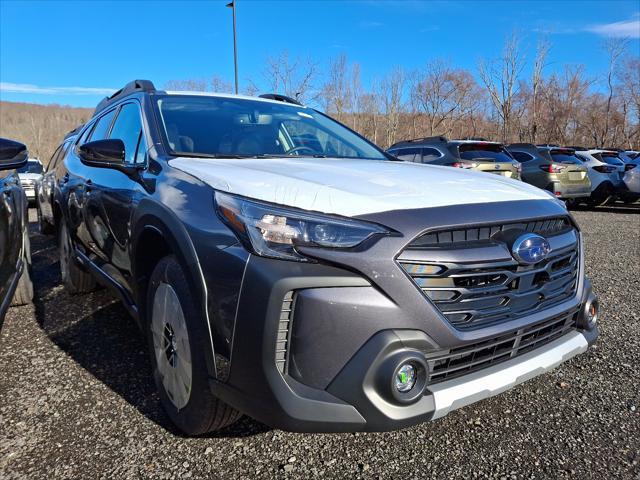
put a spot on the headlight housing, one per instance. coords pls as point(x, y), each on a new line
point(274, 231)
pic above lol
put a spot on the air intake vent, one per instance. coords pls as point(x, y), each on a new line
point(284, 327)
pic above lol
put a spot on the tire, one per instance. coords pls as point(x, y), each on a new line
point(177, 337)
point(601, 197)
point(24, 290)
point(74, 279)
point(43, 227)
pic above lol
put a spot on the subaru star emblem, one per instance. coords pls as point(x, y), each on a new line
point(530, 248)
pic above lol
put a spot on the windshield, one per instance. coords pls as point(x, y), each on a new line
point(564, 157)
point(611, 158)
point(484, 151)
point(230, 127)
point(31, 167)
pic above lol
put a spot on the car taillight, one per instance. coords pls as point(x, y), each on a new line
point(629, 166)
point(604, 168)
point(464, 165)
point(552, 168)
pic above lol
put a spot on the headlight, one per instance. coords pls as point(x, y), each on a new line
point(273, 231)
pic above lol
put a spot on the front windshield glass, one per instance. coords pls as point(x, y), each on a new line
point(231, 127)
point(31, 167)
point(486, 151)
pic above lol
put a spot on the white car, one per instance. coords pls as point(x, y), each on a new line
point(605, 170)
point(30, 177)
point(631, 180)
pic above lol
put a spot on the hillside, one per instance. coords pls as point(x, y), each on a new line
point(40, 127)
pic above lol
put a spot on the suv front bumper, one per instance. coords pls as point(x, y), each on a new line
point(337, 349)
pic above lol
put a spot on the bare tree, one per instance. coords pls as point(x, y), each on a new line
point(542, 51)
point(192, 85)
point(500, 77)
point(336, 92)
point(293, 77)
point(614, 47)
point(391, 94)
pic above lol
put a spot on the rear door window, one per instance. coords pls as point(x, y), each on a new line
point(101, 129)
point(429, 154)
point(408, 154)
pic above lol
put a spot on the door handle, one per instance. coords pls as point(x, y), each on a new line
point(88, 185)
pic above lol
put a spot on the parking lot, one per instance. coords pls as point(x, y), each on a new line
point(77, 399)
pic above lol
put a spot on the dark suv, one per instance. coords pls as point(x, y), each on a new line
point(284, 267)
point(15, 254)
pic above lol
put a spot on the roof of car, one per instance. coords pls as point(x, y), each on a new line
point(146, 86)
point(420, 141)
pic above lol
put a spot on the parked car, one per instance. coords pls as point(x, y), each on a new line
point(632, 154)
point(30, 176)
point(15, 254)
point(285, 267)
point(554, 169)
point(605, 171)
point(478, 155)
point(631, 180)
point(44, 192)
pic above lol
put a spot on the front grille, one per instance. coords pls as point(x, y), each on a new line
point(486, 285)
point(470, 358)
point(545, 227)
point(284, 327)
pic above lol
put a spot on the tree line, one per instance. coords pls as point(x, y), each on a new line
point(496, 101)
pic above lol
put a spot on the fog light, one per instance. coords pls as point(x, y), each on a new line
point(592, 313)
point(405, 378)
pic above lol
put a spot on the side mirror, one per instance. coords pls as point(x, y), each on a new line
point(107, 153)
point(12, 154)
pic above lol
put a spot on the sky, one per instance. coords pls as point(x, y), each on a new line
point(76, 52)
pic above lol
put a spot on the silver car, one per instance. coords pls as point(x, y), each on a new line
point(631, 181)
point(30, 177)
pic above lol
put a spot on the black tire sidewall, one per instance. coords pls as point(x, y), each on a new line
point(194, 418)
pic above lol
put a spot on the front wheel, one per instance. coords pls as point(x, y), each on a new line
point(176, 337)
point(24, 290)
point(75, 279)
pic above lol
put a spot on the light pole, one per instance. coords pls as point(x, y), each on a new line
point(232, 5)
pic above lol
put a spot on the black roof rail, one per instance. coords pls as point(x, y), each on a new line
point(477, 139)
point(131, 87)
point(436, 139)
point(280, 98)
point(547, 145)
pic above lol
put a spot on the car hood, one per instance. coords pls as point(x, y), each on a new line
point(354, 187)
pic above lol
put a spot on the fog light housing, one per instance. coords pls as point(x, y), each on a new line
point(405, 378)
point(590, 313)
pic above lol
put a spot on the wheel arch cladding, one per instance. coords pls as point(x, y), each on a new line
point(158, 232)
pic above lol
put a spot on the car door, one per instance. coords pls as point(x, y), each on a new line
point(108, 206)
point(10, 227)
point(45, 192)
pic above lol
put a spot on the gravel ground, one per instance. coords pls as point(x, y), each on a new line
point(77, 400)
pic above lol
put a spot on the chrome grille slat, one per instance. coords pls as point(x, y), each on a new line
point(484, 288)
